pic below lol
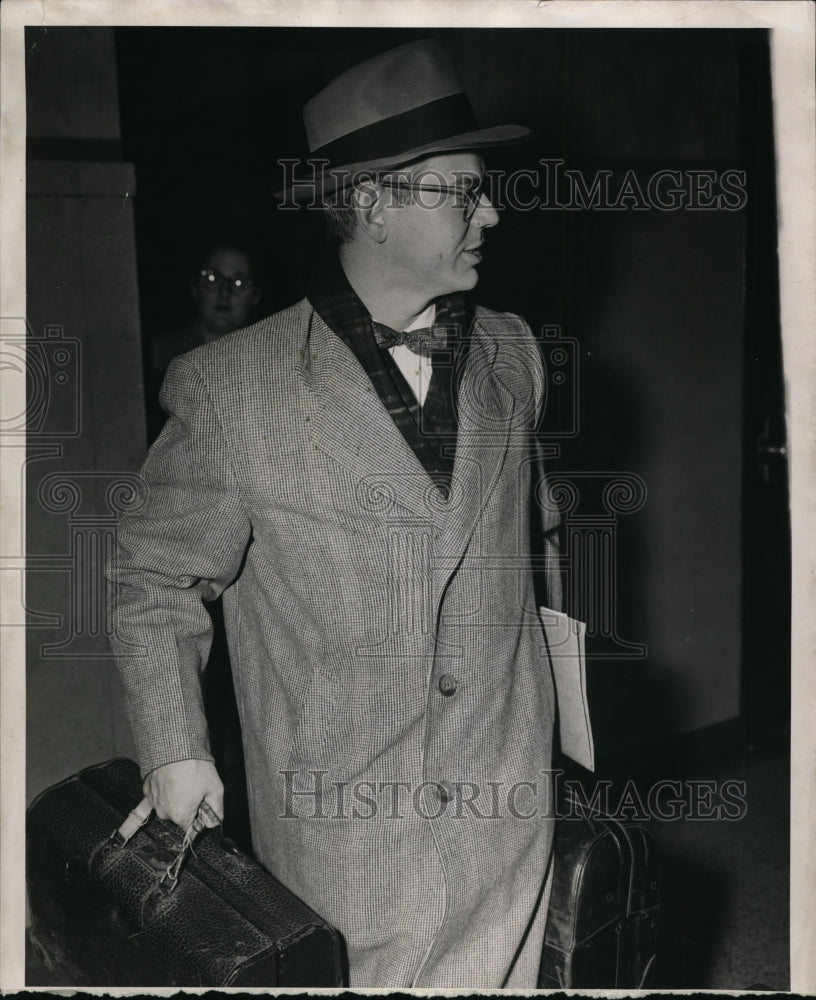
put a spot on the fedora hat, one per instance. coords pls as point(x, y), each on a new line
point(401, 106)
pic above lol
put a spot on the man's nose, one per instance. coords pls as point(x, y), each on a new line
point(485, 215)
point(224, 289)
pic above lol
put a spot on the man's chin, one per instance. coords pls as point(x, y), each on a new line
point(470, 279)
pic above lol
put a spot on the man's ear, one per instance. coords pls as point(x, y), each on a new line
point(368, 200)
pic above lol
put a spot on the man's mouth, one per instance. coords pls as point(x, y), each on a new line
point(474, 252)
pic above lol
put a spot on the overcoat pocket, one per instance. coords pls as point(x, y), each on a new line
point(311, 745)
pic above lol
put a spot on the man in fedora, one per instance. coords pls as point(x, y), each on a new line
point(354, 475)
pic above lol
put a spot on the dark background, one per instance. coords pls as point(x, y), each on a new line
point(654, 300)
point(671, 318)
point(206, 113)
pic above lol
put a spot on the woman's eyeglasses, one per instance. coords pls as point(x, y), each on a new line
point(211, 277)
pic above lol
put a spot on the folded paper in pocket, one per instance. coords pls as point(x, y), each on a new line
point(565, 644)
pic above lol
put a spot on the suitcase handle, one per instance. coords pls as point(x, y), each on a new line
point(135, 821)
point(168, 875)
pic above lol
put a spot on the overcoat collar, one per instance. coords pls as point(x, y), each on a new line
point(352, 426)
point(430, 430)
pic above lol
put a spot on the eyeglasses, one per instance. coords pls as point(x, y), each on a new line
point(211, 277)
point(468, 198)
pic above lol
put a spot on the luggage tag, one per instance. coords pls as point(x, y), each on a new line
point(565, 640)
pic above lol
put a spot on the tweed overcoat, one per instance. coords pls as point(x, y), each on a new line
point(392, 679)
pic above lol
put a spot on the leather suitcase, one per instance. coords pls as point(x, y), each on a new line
point(602, 922)
point(101, 915)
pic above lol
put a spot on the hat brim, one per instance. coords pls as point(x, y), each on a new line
point(331, 178)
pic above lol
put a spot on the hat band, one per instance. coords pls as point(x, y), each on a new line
point(440, 119)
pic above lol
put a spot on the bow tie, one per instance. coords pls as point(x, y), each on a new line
point(424, 340)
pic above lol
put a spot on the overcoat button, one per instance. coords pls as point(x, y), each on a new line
point(447, 684)
point(444, 789)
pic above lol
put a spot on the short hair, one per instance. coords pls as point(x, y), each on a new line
point(341, 221)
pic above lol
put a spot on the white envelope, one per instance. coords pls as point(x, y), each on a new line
point(565, 644)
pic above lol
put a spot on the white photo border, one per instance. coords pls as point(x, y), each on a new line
point(791, 24)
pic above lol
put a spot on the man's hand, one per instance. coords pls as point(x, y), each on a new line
point(176, 790)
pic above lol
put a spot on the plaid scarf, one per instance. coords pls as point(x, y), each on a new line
point(431, 430)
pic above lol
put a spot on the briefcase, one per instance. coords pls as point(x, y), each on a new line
point(112, 913)
point(602, 922)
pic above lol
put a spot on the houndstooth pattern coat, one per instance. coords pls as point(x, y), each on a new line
point(392, 678)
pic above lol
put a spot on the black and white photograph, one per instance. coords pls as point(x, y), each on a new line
point(408, 478)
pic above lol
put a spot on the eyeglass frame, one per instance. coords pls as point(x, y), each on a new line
point(246, 286)
point(472, 194)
